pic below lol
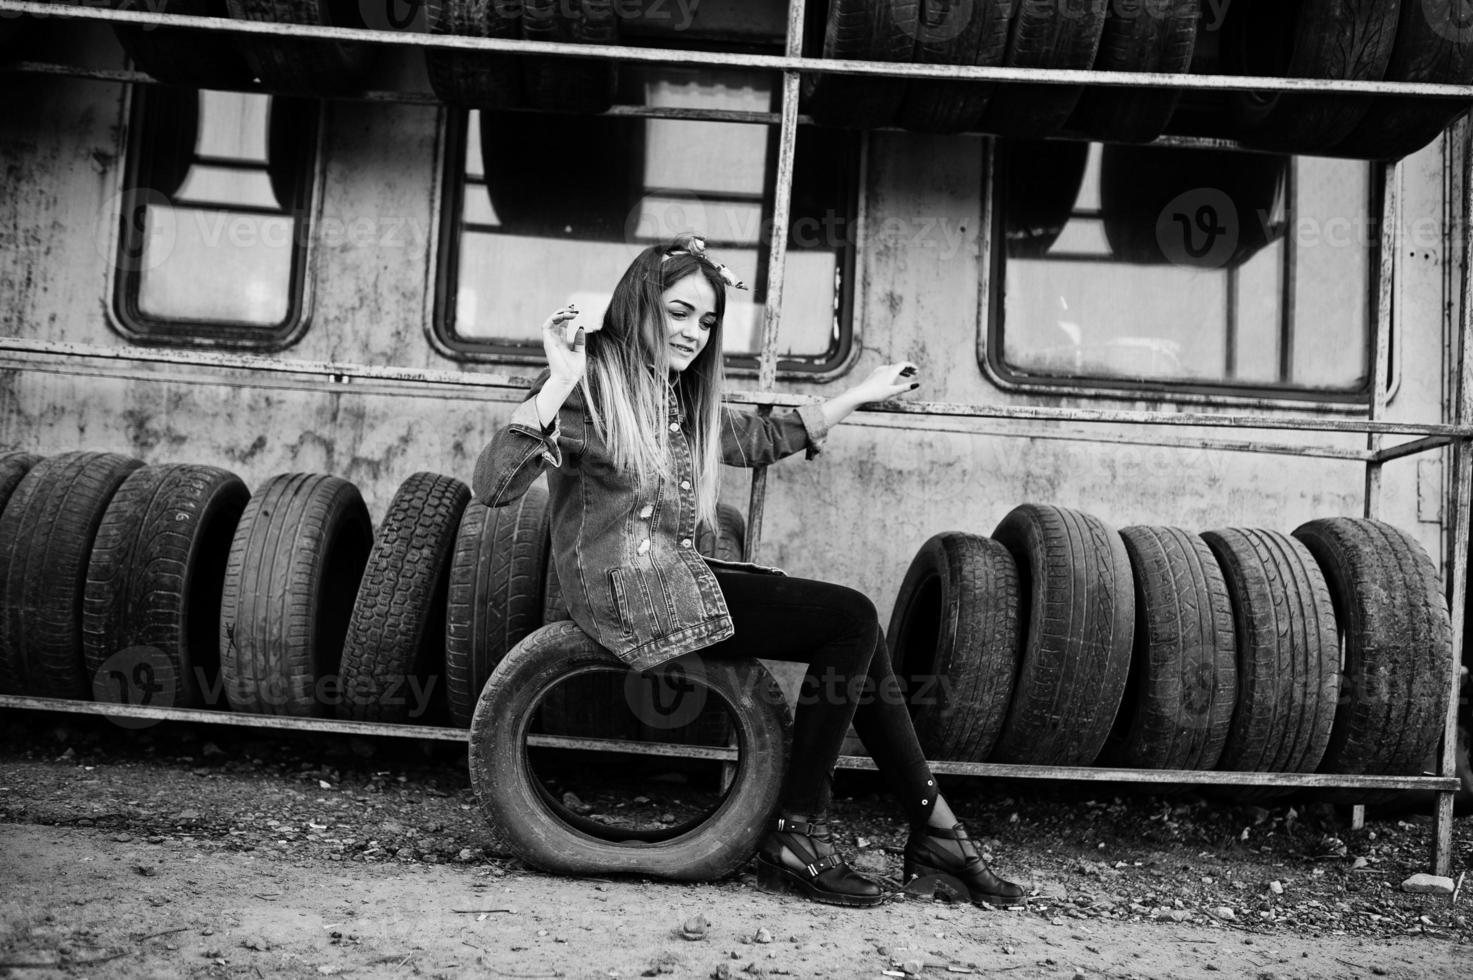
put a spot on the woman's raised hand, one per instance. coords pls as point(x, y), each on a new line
point(886, 381)
point(565, 357)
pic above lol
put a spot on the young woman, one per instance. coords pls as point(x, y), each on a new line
point(628, 424)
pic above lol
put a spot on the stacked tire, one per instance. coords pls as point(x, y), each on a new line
point(1357, 40)
point(1059, 641)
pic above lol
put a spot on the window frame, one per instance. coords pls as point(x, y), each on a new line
point(992, 277)
point(445, 267)
point(123, 313)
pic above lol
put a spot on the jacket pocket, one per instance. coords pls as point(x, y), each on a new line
point(619, 595)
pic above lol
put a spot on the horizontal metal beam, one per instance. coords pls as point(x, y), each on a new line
point(1388, 453)
point(344, 375)
point(1302, 780)
point(745, 60)
point(336, 373)
point(139, 712)
point(725, 754)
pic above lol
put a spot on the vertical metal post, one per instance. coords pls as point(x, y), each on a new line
point(1382, 325)
point(1460, 143)
point(1380, 356)
point(777, 259)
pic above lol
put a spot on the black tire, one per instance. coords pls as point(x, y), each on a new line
point(1398, 648)
point(1079, 608)
point(291, 146)
point(1183, 680)
point(728, 542)
point(497, 577)
point(169, 134)
point(517, 808)
point(1139, 36)
point(1195, 207)
point(476, 80)
point(870, 30)
point(151, 607)
point(1045, 34)
point(13, 468)
point(584, 85)
point(1288, 652)
point(1434, 43)
point(304, 67)
point(955, 32)
point(201, 59)
point(393, 661)
point(46, 536)
point(956, 638)
point(539, 189)
point(1043, 178)
point(293, 572)
point(1341, 39)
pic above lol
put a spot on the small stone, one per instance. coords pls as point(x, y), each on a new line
point(762, 936)
point(667, 818)
point(1426, 884)
point(1358, 863)
point(1379, 971)
point(1276, 886)
point(694, 928)
point(186, 816)
point(912, 968)
point(255, 942)
point(210, 750)
point(67, 756)
point(1225, 913)
point(122, 838)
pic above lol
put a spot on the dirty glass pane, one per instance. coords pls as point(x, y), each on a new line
point(531, 239)
point(1210, 269)
point(213, 232)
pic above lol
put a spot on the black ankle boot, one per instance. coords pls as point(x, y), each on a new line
point(823, 878)
point(956, 872)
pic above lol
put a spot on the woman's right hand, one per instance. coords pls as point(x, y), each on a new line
point(566, 360)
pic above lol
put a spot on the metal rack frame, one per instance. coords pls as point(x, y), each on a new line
point(937, 416)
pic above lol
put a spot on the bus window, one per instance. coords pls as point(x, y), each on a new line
point(1188, 270)
point(542, 209)
point(214, 218)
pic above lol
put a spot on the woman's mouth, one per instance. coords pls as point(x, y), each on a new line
point(683, 348)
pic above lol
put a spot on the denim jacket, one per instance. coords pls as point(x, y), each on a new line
point(625, 555)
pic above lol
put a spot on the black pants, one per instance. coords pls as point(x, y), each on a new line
point(836, 632)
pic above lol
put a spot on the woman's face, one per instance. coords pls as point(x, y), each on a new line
point(690, 316)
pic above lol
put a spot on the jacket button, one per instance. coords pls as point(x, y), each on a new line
point(644, 546)
point(685, 542)
point(647, 512)
point(685, 484)
point(674, 426)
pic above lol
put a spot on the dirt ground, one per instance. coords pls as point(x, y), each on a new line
point(209, 851)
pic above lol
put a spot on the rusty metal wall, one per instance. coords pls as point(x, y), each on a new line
point(856, 514)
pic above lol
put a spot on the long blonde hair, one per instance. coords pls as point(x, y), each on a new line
point(627, 384)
